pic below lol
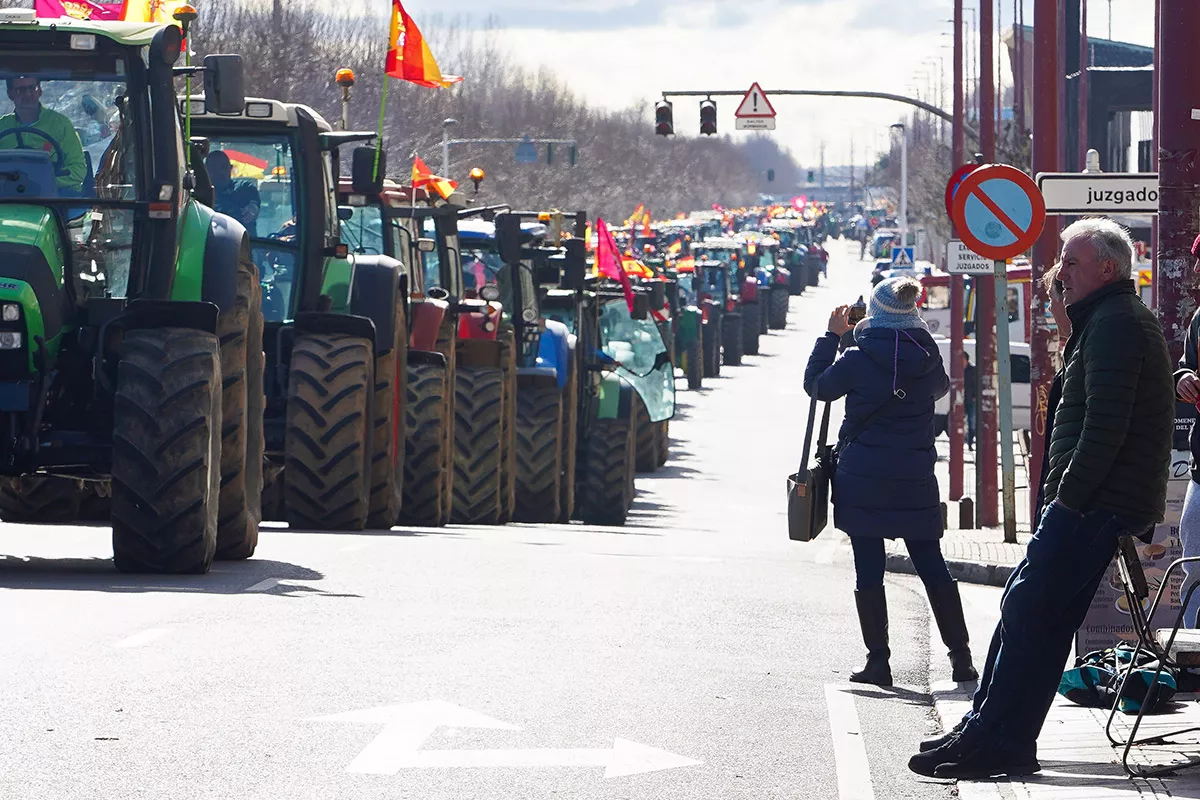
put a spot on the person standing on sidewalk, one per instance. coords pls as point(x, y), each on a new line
point(1187, 389)
point(884, 486)
point(1109, 453)
point(970, 380)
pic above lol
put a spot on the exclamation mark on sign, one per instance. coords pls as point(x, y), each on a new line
point(754, 97)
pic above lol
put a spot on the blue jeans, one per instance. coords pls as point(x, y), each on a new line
point(1044, 603)
point(870, 560)
point(1189, 532)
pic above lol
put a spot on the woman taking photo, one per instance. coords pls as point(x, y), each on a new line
point(884, 486)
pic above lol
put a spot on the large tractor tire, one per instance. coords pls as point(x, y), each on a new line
point(539, 454)
point(662, 431)
point(751, 313)
point(166, 462)
point(631, 460)
point(731, 339)
point(387, 434)
point(764, 297)
point(240, 332)
point(570, 442)
point(777, 309)
point(647, 442)
point(47, 499)
point(694, 358)
point(428, 451)
point(508, 430)
point(603, 496)
point(711, 341)
point(327, 443)
point(478, 445)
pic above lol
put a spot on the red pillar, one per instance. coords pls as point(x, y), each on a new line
point(1178, 78)
point(957, 417)
point(987, 453)
point(1046, 88)
point(1083, 85)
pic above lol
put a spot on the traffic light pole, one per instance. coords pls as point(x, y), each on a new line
point(899, 98)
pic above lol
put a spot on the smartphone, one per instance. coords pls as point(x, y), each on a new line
point(856, 315)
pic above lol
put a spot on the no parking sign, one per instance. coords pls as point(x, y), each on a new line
point(998, 211)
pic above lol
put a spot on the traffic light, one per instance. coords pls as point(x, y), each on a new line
point(770, 176)
point(664, 118)
point(812, 176)
point(549, 152)
point(708, 117)
point(572, 155)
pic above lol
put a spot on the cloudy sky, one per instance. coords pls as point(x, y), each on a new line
point(621, 52)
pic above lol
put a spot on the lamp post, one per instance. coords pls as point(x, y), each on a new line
point(446, 123)
point(903, 183)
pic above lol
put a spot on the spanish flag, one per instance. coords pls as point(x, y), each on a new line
point(646, 229)
point(675, 247)
point(160, 11)
point(408, 56)
point(421, 176)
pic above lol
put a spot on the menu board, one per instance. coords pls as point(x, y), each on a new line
point(1108, 621)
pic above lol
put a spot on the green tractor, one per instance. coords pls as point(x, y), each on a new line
point(336, 332)
point(130, 330)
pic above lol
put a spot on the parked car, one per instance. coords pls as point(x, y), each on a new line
point(1019, 354)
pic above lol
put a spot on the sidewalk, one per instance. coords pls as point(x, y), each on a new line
point(977, 555)
point(1077, 760)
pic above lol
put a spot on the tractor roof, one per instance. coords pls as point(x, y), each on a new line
point(262, 109)
point(127, 33)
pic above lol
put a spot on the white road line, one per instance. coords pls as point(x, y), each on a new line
point(849, 751)
point(143, 637)
point(263, 585)
point(356, 546)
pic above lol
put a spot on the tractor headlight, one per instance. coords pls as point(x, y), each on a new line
point(11, 312)
point(10, 340)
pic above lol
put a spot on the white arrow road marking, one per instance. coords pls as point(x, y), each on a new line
point(849, 752)
point(406, 727)
point(623, 758)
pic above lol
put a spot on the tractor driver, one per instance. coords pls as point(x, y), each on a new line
point(238, 198)
point(32, 126)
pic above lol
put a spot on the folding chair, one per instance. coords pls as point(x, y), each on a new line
point(1170, 647)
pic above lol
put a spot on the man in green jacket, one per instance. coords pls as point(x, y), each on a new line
point(32, 126)
point(1108, 460)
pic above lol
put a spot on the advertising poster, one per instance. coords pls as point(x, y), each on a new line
point(1108, 621)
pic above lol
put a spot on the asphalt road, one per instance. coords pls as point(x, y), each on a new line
point(696, 653)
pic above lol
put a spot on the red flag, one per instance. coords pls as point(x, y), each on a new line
point(408, 56)
point(608, 260)
point(421, 176)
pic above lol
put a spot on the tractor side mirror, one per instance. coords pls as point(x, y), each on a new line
point(658, 294)
point(224, 85)
point(426, 245)
point(641, 306)
point(508, 238)
point(364, 177)
point(575, 269)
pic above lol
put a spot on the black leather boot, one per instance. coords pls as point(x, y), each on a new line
point(873, 619)
point(948, 612)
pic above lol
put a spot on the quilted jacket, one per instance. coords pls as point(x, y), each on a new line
point(1111, 442)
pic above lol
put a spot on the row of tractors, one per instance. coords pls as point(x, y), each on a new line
point(219, 327)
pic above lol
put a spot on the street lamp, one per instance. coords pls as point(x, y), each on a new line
point(446, 123)
point(903, 182)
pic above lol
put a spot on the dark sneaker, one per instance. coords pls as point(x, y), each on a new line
point(988, 762)
point(933, 744)
point(955, 749)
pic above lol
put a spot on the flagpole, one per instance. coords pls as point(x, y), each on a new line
point(379, 133)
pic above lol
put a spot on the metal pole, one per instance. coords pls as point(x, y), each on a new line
point(903, 187)
point(1154, 166)
point(1083, 85)
point(1004, 369)
point(445, 150)
point(985, 297)
point(1046, 86)
point(1178, 77)
point(957, 417)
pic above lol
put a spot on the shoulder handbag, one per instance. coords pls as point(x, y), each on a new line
point(808, 489)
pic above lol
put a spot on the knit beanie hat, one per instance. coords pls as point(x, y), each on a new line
point(894, 305)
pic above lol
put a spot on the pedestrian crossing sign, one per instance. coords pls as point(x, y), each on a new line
point(903, 257)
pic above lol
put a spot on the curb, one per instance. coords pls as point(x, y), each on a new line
point(964, 571)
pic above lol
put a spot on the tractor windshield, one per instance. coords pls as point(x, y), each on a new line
point(715, 283)
point(637, 347)
point(362, 229)
point(252, 182)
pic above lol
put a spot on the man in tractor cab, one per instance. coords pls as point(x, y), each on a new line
point(32, 126)
point(238, 198)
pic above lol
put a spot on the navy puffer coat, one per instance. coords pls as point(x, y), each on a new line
point(885, 485)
